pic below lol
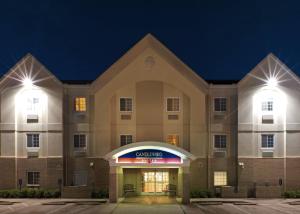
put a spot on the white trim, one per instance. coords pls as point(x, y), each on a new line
point(179, 104)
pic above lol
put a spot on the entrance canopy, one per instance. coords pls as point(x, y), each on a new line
point(149, 154)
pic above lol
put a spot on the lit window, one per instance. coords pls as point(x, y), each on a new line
point(79, 141)
point(173, 139)
point(33, 178)
point(220, 104)
point(267, 141)
point(80, 104)
point(267, 105)
point(125, 139)
point(33, 140)
point(32, 105)
point(220, 178)
point(173, 104)
point(126, 104)
point(220, 141)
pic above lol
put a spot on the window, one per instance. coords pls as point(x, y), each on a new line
point(126, 104)
point(267, 141)
point(33, 178)
point(220, 141)
point(32, 105)
point(220, 104)
point(33, 140)
point(80, 104)
point(79, 141)
point(267, 105)
point(173, 139)
point(125, 139)
point(220, 178)
point(173, 104)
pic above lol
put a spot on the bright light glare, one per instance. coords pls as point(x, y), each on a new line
point(27, 82)
point(272, 82)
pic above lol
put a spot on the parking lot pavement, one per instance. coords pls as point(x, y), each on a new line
point(37, 207)
point(24, 206)
point(277, 206)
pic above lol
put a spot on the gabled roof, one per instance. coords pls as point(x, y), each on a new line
point(12, 73)
point(149, 41)
point(270, 65)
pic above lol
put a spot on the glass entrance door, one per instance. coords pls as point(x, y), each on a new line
point(154, 181)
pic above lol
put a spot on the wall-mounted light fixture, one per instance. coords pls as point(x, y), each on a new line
point(27, 82)
point(242, 165)
point(272, 82)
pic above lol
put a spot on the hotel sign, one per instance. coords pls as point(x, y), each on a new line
point(149, 156)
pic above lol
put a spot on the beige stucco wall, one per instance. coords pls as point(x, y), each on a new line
point(150, 86)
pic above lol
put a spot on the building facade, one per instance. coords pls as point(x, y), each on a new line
point(149, 125)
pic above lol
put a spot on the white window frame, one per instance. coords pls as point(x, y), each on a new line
point(261, 142)
point(178, 104)
point(80, 148)
point(27, 173)
point(226, 137)
point(226, 174)
point(126, 139)
point(226, 106)
point(32, 147)
point(131, 104)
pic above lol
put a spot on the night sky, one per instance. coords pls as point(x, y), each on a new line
point(217, 39)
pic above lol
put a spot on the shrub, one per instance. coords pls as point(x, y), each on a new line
point(292, 194)
point(4, 193)
point(201, 194)
point(29, 193)
point(14, 193)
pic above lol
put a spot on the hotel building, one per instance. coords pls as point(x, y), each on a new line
point(151, 124)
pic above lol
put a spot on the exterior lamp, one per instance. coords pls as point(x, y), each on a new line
point(27, 82)
point(272, 82)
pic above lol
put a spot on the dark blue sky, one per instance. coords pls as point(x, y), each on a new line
point(217, 39)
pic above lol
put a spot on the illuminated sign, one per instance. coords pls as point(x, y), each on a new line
point(149, 156)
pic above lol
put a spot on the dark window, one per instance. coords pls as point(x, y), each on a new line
point(33, 178)
point(220, 104)
point(125, 139)
point(267, 141)
point(125, 104)
point(33, 140)
point(173, 104)
point(220, 141)
point(79, 141)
